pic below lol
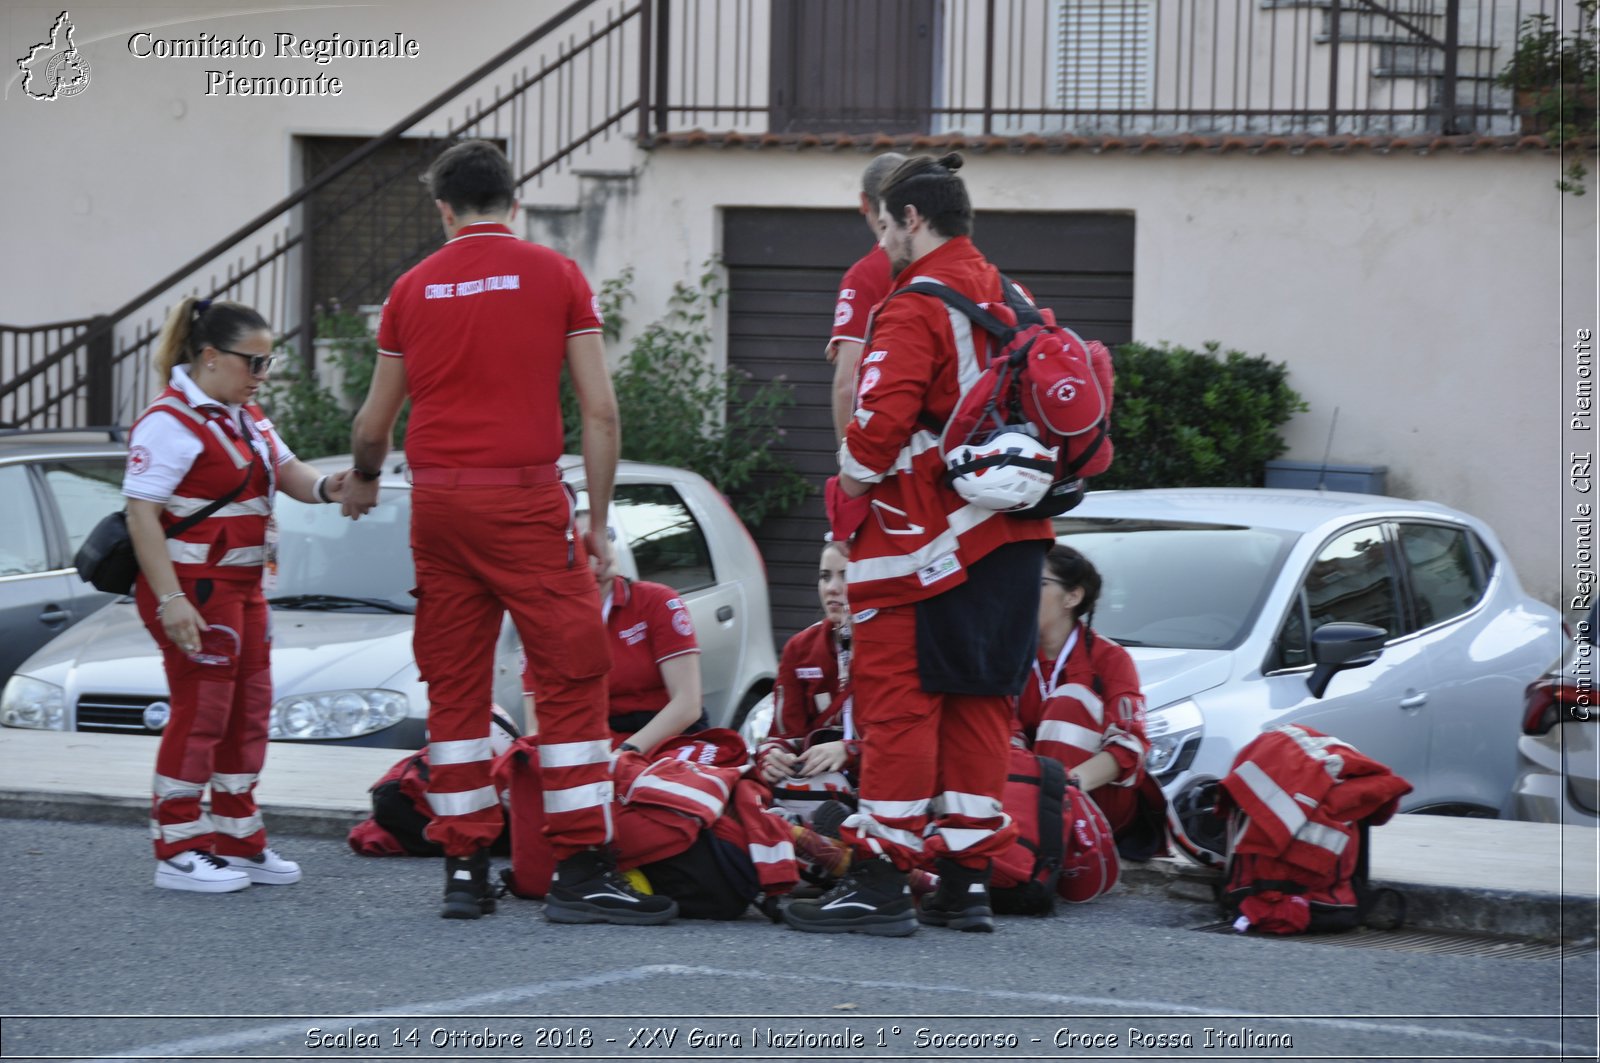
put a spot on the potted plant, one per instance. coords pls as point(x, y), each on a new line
point(1553, 76)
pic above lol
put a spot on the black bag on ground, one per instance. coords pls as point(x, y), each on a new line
point(712, 879)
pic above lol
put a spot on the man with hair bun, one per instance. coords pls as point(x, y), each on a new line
point(946, 593)
point(863, 287)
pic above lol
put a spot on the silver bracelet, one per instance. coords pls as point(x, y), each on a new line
point(161, 603)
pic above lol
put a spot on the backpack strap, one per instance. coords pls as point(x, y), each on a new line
point(1052, 812)
point(977, 314)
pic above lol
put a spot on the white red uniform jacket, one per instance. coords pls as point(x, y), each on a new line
point(696, 781)
point(809, 695)
point(231, 543)
point(1304, 791)
point(1085, 702)
point(920, 536)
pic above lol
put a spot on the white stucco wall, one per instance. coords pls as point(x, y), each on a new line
point(142, 170)
point(1421, 297)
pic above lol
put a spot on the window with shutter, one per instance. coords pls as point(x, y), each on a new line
point(1104, 55)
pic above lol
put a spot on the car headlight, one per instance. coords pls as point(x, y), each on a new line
point(337, 714)
point(1174, 732)
point(29, 702)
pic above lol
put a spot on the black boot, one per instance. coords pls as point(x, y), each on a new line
point(588, 888)
point(962, 900)
point(466, 886)
point(874, 898)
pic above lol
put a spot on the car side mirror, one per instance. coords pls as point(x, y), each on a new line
point(1341, 645)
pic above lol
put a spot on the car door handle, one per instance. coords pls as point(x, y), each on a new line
point(725, 613)
point(1415, 701)
point(54, 614)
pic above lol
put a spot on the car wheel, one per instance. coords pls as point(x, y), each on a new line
point(748, 702)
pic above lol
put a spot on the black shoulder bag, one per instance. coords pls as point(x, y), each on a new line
point(106, 559)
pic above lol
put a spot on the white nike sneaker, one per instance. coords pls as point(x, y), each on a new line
point(266, 868)
point(200, 872)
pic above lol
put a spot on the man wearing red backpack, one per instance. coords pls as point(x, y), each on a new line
point(946, 590)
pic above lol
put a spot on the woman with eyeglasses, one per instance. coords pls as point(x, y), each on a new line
point(1083, 705)
point(205, 449)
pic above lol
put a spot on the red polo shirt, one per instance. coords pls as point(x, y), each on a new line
point(864, 286)
point(482, 324)
point(648, 623)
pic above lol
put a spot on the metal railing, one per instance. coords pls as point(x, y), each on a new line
point(624, 72)
point(548, 97)
point(59, 393)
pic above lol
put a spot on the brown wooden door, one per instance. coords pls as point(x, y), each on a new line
point(784, 268)
point(852, 65)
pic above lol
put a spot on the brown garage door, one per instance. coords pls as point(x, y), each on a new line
point(783, 273)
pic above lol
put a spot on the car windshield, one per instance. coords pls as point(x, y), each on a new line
point(1180, 585)
point(326, 561)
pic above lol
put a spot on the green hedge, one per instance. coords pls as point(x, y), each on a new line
point(1187, 418)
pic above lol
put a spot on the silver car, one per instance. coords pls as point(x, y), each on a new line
point(55, 485)
point(1238, 604)
point(342, 664)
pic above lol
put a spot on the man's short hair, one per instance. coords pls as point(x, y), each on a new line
point(930, 185)
point(474, 177)
point(877, 170)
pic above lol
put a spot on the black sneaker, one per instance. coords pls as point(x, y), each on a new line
point(466, 886)
point(588, 888)
point(962, 900)
point(874, 898)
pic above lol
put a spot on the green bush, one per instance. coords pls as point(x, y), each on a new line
point(311, 418)
point(677, 410)
point(1186, 418)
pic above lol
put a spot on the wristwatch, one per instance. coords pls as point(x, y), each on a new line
point(368, 475)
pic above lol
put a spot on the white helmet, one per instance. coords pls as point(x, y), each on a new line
point(503, 730)
point(1008, 471)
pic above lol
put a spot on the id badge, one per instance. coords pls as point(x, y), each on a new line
point(269, 557)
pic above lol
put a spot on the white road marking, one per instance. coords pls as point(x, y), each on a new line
point(1114, 1007)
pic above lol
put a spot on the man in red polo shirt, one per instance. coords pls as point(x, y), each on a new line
point(863, 287)
point(946, 592)
point(476, 335)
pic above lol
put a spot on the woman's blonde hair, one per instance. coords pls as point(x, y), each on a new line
point(196, 323)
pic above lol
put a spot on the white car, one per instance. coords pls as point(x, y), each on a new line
point(342, 664)
point(1225, 597)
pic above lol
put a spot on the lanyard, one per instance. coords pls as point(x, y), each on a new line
point(843, 636)
point(1061, 662)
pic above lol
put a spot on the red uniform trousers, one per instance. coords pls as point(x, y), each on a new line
point(478, 551)
point(217, 732)
point(938, 757)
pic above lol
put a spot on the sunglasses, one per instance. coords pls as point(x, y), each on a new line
point(259, 363)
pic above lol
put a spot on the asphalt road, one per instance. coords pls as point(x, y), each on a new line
point(99, 964)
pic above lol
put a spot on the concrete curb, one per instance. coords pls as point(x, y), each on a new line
point(1548, 917)
point(126, 811)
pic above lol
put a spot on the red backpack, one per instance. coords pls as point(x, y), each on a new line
point(1042, 379)
point(1064, 845)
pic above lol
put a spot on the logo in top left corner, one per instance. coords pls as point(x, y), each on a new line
point(55, 69)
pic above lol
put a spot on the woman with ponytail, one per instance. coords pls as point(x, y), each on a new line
point(205, 449)
point(1082, 705)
